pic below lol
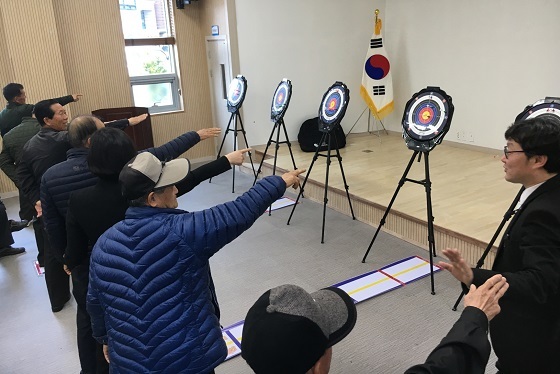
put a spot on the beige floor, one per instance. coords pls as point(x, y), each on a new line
point(469, 194)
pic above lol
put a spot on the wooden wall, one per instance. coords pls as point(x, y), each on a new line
point(58, 47)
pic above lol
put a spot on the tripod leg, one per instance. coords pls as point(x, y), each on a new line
point(264, 154)
point(228, 129)
point(458, 301)
point(431, 237)
point(325, 199)
point(246, 143)
point(339, 157)
point(289, 144)
point(382, 222)
point(508, 214)
point(234, 148)
point(302, 187)
point(289, 147)
point(277, 127)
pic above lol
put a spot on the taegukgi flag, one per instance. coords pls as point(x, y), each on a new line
point(377, 84)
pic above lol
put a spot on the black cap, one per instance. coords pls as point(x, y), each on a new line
point(287, 330)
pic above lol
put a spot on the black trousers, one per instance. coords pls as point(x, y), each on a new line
point(6, 238)
point(58, 282)
point(26, 210)
point(92, 359)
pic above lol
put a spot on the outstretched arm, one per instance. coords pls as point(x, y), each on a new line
point(213, 228)
point(466, 349)
point(209, 170)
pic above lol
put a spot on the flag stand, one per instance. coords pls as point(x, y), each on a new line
point(375, 123)
point(369, 123)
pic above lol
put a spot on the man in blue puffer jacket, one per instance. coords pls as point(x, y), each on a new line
point(149, 297)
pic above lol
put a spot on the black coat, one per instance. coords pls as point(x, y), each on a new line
point(526, 334)
point(465, 349)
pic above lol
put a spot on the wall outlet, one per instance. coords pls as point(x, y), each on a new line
point(471, 137)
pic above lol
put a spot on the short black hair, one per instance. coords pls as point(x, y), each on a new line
point(143, 200)
point(12, 90)
point(81, 129)
point(539, 136)
point(110, 150)
point(43, 110)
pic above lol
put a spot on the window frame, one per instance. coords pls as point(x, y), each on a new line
point(172, 78)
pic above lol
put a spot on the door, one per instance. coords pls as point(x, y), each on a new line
point(219, 73)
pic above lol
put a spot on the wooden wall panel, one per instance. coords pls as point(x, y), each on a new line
point(31, 54)
point(77, 47)
point(92, 45)
point(33, 49)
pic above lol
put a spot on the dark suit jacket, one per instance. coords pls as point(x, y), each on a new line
point(465, 349)
point(526, 334)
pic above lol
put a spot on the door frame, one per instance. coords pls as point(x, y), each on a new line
point(208, 40)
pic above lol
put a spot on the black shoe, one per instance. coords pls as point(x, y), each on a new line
point(9, 251)
point(58, 308)
point(18, 225)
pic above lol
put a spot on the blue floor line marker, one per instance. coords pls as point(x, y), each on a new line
point(362, 287)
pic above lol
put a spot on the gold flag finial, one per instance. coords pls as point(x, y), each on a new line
point(378, 23)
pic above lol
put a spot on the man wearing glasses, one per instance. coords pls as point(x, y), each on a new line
point(526, 335)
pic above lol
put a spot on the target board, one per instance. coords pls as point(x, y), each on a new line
point(236, 93)
point(280, 100)
point(427, 118)
point(545, 107)
point(333, 106)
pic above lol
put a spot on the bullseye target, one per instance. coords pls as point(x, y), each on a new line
point(280, 100)
point(427, 118)
point(236, 93)
point(550, 106)
point(333, 106)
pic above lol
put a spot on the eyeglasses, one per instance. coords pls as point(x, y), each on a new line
point(507, 151)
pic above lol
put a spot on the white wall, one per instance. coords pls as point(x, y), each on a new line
point(492, 57)
point(311, 42)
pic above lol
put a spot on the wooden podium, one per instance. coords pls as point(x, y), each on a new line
point(141, 134)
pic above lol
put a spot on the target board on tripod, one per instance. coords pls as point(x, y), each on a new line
point(333, 106)
point(426, 119)
point(281, 100)
point(236, 93)
point(549, 106)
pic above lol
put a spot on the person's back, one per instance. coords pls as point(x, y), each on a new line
point(44, 150)
point(149, 294)
point(16, 138)
point(12, 115)
point(163, 270)
point(162, 274)
point(16, 109)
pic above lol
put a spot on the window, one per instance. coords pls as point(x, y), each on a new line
point(150, 54)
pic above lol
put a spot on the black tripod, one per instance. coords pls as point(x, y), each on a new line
point(277, 125)
point(233, 119)
point(428, 186)
point(509, 213)
point(325, 139)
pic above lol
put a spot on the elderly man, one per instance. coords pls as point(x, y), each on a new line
point(47, 148)
point(149, 295)
point(289, 330)
point(62, 179)
point(93, 210)
point(12, 149)
point(526, 335)
point(17, 108)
